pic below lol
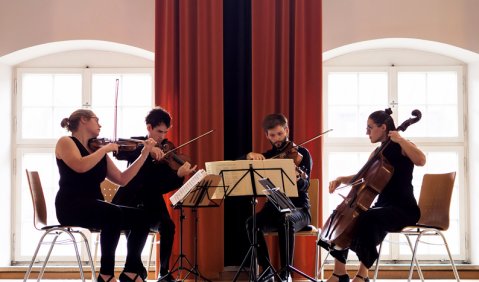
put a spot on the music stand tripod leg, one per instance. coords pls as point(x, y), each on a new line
point(181, 256)
point(289, 268)
point(253, 252)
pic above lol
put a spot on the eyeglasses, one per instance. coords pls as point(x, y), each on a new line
point(95, 118)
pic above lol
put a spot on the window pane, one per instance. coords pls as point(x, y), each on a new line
point(435, 94)
point(134, 102)
point(46, 100)
point(352, 96)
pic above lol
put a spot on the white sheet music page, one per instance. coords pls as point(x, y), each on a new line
point(186, 188)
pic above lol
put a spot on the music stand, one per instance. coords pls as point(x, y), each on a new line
point(279, 168)
point(195, 193)
point(285, 206)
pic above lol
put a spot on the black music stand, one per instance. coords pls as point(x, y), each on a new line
point(284, 206)
point(200, 195)
point(254, 175)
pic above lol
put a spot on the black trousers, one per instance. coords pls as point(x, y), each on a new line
point(160, 220)
point(111, 220)
point(372, 227)
point(270, 219)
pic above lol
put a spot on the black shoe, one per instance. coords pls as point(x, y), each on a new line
point(365, 279)
point(166, 278)
point(100, 278)
point(343, 278)
point(267, 275)
point(125, 278)
point(285, 277)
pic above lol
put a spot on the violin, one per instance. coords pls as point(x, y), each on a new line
point(174, 160)
point(339, 229)
point(124, 145)
point(290, 151)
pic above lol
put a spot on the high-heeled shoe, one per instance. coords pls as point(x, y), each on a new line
point(365, 279)
point(100, 278)
point(342, 278)
point(125, 278)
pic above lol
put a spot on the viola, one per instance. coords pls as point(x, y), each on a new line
point(173, 159)
point(339, 228)
point(290, 151)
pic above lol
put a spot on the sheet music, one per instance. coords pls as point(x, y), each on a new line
point(281, 171)
point(186, 188)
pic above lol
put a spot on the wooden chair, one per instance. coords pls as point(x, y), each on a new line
point(312, 229)
point(434, 203)
point(109, 190)
point(40, 223)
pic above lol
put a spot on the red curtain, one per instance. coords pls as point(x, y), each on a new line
point(189, 84)
point(286, 78)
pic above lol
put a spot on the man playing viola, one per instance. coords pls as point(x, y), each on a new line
point(269, 218)
point(152, 181)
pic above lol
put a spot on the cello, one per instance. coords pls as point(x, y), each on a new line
point(338, 230)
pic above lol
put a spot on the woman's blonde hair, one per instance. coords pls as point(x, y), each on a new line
point(71, 123)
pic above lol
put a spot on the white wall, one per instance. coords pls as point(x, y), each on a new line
point(445, 21)
point(5, 163)
point(27, 23)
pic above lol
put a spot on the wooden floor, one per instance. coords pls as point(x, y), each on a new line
point(387, 273)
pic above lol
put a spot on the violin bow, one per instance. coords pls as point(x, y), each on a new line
point(307, 141)
point(188, 142)
point(117, 83)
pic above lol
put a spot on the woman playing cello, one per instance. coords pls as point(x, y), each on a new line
point(396, 206)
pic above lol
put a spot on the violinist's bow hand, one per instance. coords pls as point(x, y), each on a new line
point(255, 156)
point(156, 153)
point(186, 169)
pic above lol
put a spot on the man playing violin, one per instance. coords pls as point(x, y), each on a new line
point(395, 207)
point(269, 218)
point(154, 179)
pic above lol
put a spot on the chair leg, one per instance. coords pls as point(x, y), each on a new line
point(52, 244)
point(376, 268)
point(454, 269)
point(97, 242)
point(77, 253)
point(321, 269)
point(92, 262)
point(414, 259)
point(153, 236)
point(29, 270)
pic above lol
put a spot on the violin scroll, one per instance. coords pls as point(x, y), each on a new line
point(174, 160)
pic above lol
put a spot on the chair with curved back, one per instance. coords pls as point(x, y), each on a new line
point(40, 223)
point(434, 203)
point(109, 190)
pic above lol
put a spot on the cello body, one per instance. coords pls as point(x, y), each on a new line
point(338, 230)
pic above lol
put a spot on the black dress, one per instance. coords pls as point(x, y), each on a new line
point(396, 208)
point(79, 202)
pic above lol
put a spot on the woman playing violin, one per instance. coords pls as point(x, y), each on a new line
point(79, 201)
point(269, 218)
point(396, 206)
point(155, 179)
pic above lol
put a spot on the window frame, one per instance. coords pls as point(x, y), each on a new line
point(22, 145)
point(456, 144)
